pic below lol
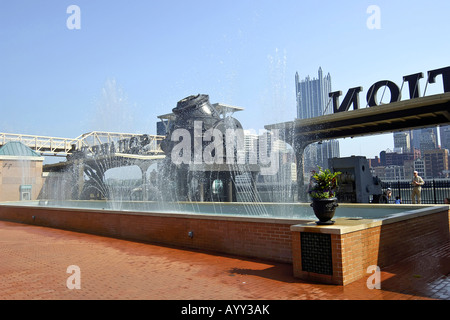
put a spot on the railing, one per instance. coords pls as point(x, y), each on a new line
point(122, 142)
point(433, 191)
point(90, 141)
point(40, 143)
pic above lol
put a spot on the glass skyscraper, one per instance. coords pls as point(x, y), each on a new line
point(313, 101)
point(312, 96)
point(445, 137)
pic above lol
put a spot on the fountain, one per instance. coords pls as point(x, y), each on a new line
point(204, 194)
point(197, 163)
point(206, 160)
point(208, 167)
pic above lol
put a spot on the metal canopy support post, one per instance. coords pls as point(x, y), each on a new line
point(299, 149)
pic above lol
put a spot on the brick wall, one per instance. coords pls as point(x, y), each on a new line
point(14, 173)
point(380, 245)
point(257, 238)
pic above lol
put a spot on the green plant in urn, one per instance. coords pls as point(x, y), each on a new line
point(322, 190)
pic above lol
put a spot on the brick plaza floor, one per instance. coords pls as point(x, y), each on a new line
point(34, 262)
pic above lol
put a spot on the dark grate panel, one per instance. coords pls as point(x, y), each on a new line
point(316, 253)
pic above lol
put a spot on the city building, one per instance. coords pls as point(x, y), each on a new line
point(396, 159)
point(431, 164)
point(445, 137)
point(394, 166)
point(394, 172)
point(414, 165)
point(327, 150)
point(428, 139)
point(312, 95)
point(423, 139)
point(402, 141)
point(436, 163)
point(375, 162)
point(379, 172)
point(251, 141)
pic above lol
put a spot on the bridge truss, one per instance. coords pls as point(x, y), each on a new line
point(92, 142)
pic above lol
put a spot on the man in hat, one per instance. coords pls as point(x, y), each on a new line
point(417, 183)
point(386, 197)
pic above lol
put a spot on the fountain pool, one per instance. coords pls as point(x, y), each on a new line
point(294, 211)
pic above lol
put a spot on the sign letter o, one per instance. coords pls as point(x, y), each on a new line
point(373, 90)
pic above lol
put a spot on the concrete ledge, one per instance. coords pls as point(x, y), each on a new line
point(348, 225)
point(221, 217)
point(341, 226)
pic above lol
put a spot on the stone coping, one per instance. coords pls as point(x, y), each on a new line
point(348, 225)
point(341, 226)
point(221, 217)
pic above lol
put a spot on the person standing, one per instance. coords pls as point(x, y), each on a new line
point(386, 197)
point(417, 183)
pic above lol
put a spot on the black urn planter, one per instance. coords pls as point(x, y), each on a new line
point(324, 210)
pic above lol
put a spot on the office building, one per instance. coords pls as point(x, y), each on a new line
point(312, 95)
point(428, 139)
point(445, 137)
point(436, 163)
point(402, 142)
point(251, 147)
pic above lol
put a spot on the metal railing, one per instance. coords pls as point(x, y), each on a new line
point(122, 142)
point(40, 144)
point(433, 191)
point(90, 140)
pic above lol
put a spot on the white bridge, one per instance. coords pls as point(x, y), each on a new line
point(88, 142)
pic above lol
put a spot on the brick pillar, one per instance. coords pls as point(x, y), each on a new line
point(316, 264)
point(337, 254)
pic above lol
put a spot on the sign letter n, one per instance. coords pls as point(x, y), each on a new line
point(351, 98)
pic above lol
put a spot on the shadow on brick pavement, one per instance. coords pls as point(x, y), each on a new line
point(35, 260)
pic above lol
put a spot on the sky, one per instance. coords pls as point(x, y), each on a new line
point(116, 65)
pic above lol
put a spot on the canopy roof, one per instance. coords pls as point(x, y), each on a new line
point(17, 149)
